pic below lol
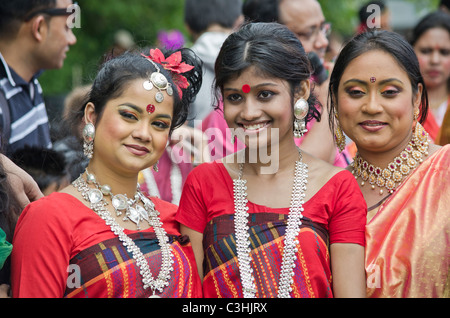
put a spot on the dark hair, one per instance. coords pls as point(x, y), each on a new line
point(116, 73)
point(13, 12)
point(386, 41)
point(45, 166)
point(261, 10)
point(200, 14)
point(437, 19)
point(274, 50)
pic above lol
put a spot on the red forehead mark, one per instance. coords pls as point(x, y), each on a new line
point(246, 88)
point(150, 108)
point(373, 79)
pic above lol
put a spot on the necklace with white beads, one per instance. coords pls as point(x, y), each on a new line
point(147, 213)
point(290, 239)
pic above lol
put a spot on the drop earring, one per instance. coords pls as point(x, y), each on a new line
point(416, 114)
point(155, 166)
point(301, 109)
point(339, 136)
point(88, 138)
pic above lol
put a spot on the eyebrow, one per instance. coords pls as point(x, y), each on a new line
point(254, 87)
point(140, 110)
point(136, 108)
point(380, 82)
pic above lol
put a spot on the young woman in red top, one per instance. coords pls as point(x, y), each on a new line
point(102, 236)
point(272, 220)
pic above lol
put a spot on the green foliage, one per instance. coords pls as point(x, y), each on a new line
point(100, 19)
point(343, 14)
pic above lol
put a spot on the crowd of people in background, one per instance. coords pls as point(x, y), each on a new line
point(271, 158)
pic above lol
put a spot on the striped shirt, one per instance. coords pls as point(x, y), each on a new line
point(29, 120)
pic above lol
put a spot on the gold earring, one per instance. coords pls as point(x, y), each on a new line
point(416, 114)
point(339, 136)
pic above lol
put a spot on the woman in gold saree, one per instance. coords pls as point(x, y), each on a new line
point(377, 94)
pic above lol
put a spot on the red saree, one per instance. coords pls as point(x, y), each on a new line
point(408, 239)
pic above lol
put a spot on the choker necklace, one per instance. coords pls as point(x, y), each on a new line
point(147, 213)
point(290, 239)
point(396, 171)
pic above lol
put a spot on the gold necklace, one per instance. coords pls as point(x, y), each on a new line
point(396, 171)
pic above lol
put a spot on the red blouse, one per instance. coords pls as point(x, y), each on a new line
point(59, 230)
point(339, 205)
point(335, 214)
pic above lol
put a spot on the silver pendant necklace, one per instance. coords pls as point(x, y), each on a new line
point(147, 213)
point(134, 212)
point(290, 238)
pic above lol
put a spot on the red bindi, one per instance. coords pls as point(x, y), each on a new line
point(150, 108)
point(246, 88)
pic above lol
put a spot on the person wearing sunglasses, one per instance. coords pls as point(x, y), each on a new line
point(34, 36)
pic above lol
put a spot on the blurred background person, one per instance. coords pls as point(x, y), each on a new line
point(303, 17)
point(123, 41)
point(209, 22)
point(70, 138)
point(374, 14)
point(17, 189)
point(431, 42)
point(444, 5)
point(46, 166)
point(9, 213)
point(34, 36)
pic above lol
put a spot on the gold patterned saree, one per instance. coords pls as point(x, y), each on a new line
point(408, 239)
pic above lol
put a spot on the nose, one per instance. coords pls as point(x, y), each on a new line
point(71, 38)
point(372, 105)
point(250, 110)
point(142, 132)
point(321, 41)
point(435, 57)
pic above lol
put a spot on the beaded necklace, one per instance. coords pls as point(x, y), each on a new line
point(290, 239)
point(138, 213)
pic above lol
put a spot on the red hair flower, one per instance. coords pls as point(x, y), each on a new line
point(173, 64)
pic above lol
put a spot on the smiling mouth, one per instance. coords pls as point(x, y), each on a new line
point(254, 127)
point(372, 125)
point(137, 150)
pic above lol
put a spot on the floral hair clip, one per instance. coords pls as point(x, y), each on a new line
point(159, 81)
point(173, 64)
